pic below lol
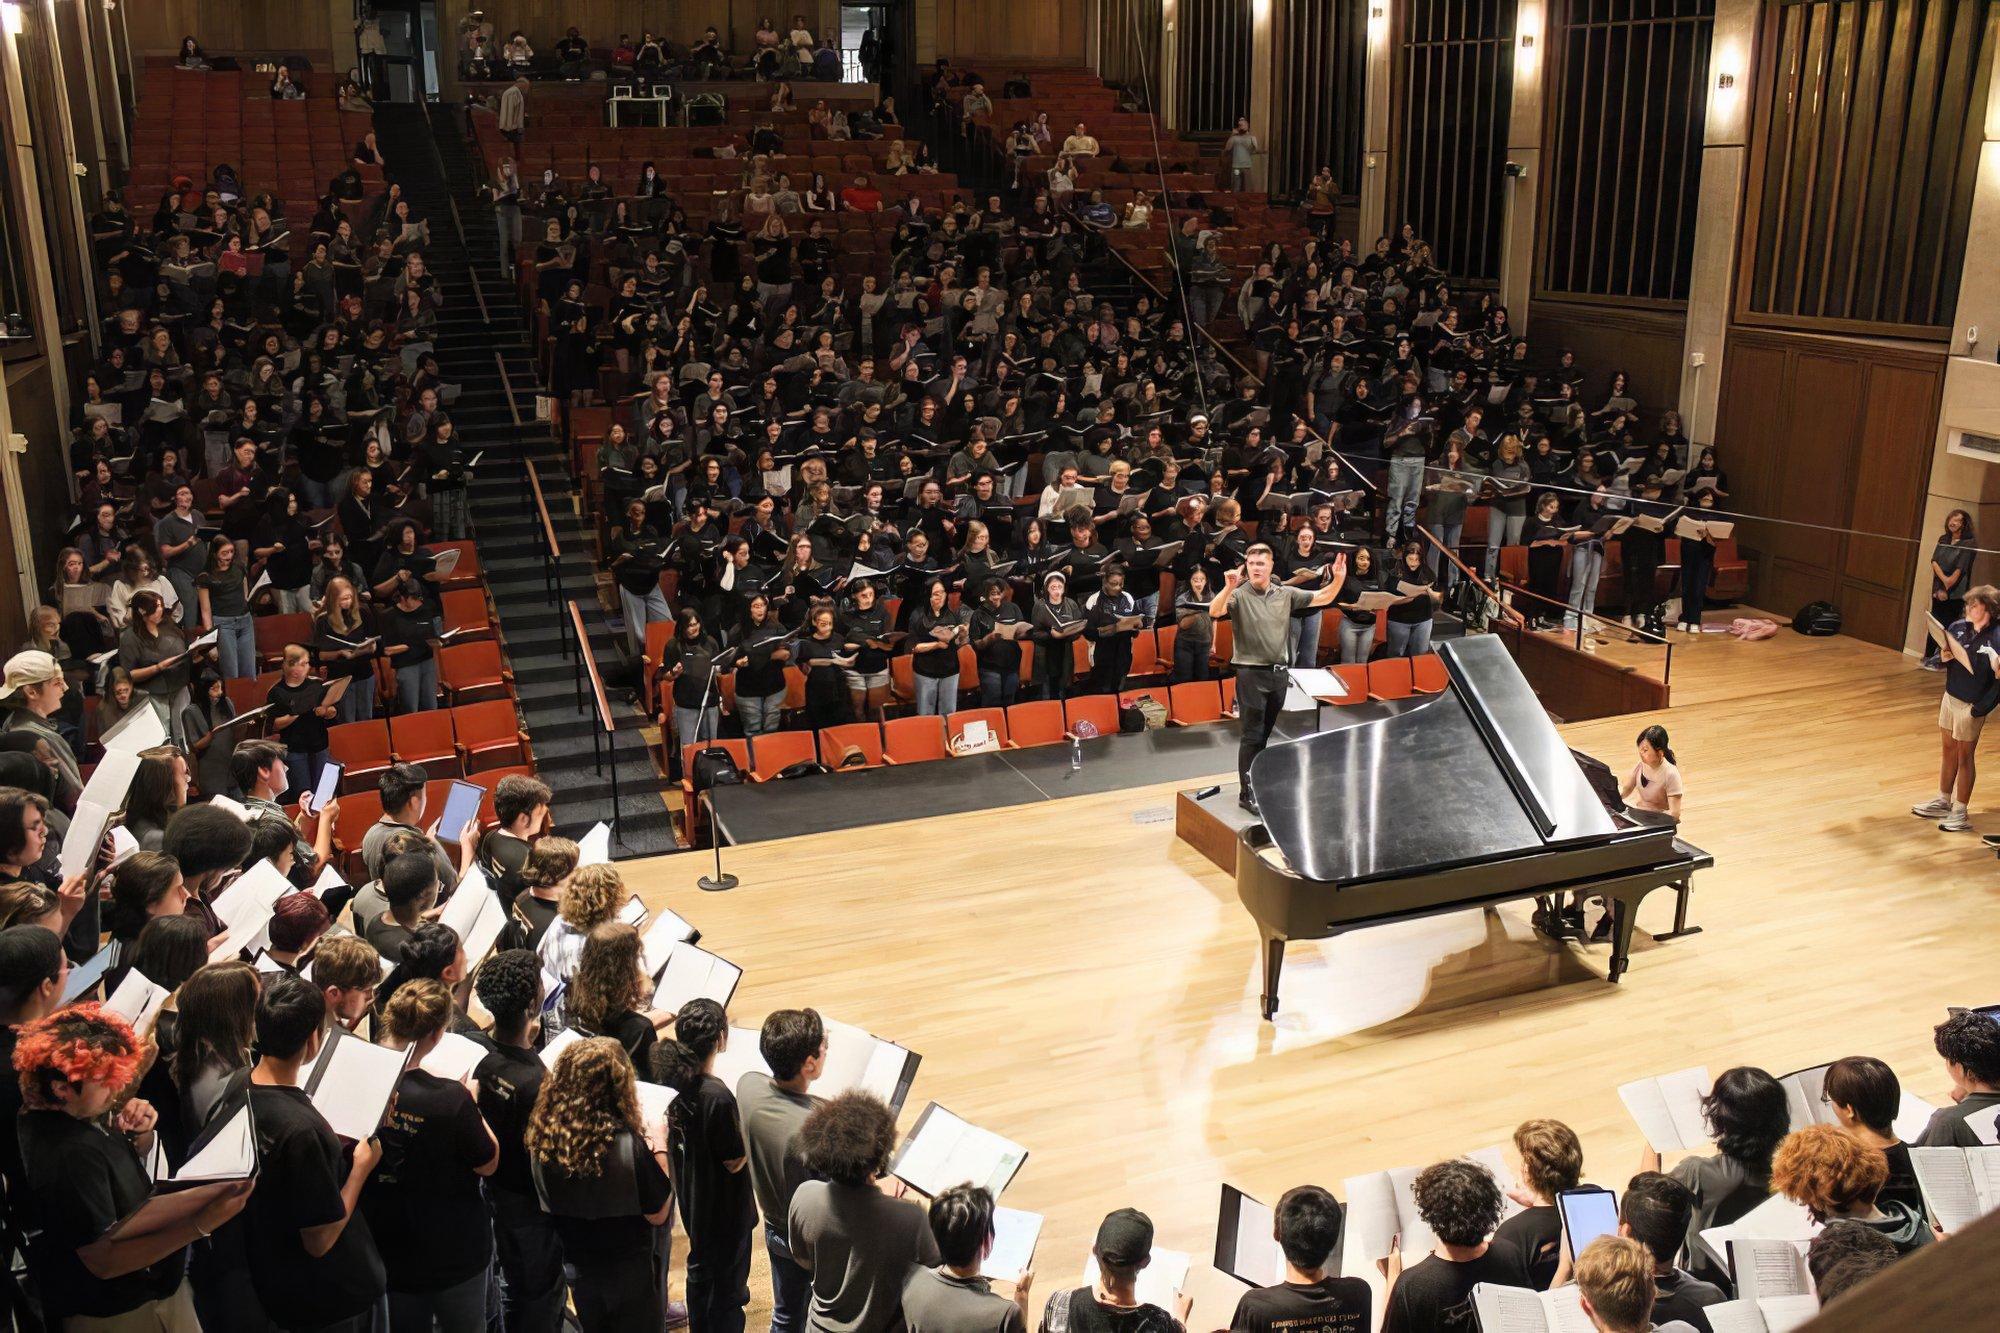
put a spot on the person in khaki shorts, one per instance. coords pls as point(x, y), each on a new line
point(1971, 689)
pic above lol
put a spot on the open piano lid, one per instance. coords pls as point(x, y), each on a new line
point(1475, 773)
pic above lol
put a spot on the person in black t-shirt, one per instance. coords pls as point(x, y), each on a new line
point(1123, 1248)
point(509, 984)
point(1614, 1279)
point(1460, 1202)
point(603, 1175)
point(608, 992)
point(1549, 1161)
point(1308, 1231)
point(424, 1205)
point(407, 628)
point(551, 861)
point(1654, 1210)
point(311, 1256)
point(410, 883)
point(84, 1171)
point(33, 969)
point(299, 716)
point(521, 805)
point(705, 1143)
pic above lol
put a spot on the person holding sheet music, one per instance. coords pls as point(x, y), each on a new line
point(1548, 550)
point(215, 1023)
point(1113, 622)
point(1303, 565)
point(1411, 619)
point(1971, 690)
point(299, 718)
point(33, 971)
point(857, 1241)
point(155, 651)
point(601, 1172)
point(424, 1206)
point(545, 877)
point(773, 1107)
point(760, 674)
point(1748, 1116)
point(705, 1145)
point(1123, 1249)
point(208, 843)
point(1832, 1174)
point(1194, 639)
point(952, 1297)
point(1697, 565)
point(345, 642)
point(864, 626)
point(407, 629)
point(1056, 622)
point(311, 1256)
point(935, 635)
point(688, 664)
point(84, 1170)
point(637, 553)
point(1307, 1226)
point(346, 971)
point(32, 693)
point(608, 993)
point(1461, 1203)
point(1866, 1096)
point(1951, 575)
point(994, 632)
point(1969, 1044)
point(825, 658)
point(1546, 1157)
point(410, 883)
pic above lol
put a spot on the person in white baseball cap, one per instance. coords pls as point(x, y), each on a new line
point(31, 693)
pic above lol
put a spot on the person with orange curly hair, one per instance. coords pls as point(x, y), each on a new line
point(1833, 1175)
point(84, 1163)
point(602, 1174)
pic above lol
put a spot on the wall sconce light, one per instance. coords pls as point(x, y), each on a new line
point(1527, 41)
point(1378, 24)
point(1725, 81)
point(12, 16)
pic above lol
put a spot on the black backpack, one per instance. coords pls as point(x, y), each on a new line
point(713, 767)
point(1818, 619)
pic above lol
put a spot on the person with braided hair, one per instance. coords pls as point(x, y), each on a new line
point(84, 1163)
point(705, 1141)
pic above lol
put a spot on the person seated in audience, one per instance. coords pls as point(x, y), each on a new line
point(284, 88)
point(191, 55)
point(861, 197)
point(856, 1240)
point(1307, 1223)
point(1547, 1158)
point(1614, 1278)
point(1123, 1249)
point(573, 56)
point(1748, 1117)
point(1080, 143)
point(1844, 1255)
point(1461, 1203)
point(518, 54)
point(1832, 1174)
point(1969, 1044)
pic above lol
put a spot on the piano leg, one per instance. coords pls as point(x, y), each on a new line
point(1683, 889)
point(1274, 963)
point(1623, 916)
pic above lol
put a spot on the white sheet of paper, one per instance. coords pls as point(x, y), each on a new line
point(740, 1057)
point(594, 847)
point(1160, 1281)
point(1765, 1268)
point(945, 1150)
point(633, 913)
point(111, 779)
point(123, 844)
point(230, 1155)
point(359, 1079)
point(1735, 1317)
point(328, 880)
point(1777, 1218)
point(447, 560)
point(654, 1099)
point(1960, 1185)
point(140, 729)
point(1318, 683)
point(85, 837)
point(559, 1043)
point(1667, 1108)
point(1782, 1314)
point(1259, 1259)
point(237, 808)
point(692, 972)
point(1015, 1234)
point(667, 929)
point(137, 999)
point(454, 1057)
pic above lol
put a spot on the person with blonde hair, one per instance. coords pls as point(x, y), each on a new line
point(1833, 1175)
point(1547, 1158)
point(545, 876)
point(1614, 1276)
point(608, 995)
point(602, 1174)
point(594, 896)
point(425, 1205)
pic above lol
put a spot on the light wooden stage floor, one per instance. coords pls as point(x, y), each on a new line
point(1079, 981)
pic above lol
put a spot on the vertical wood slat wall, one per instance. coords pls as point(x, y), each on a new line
point(1864, 151)
point(1628, 86)
point(1215, 64)
point(1454, 84)
point(1128, 46)
point(1319, 93)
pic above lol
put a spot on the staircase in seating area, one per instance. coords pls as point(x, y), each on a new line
point(1131, 164)
point(482, 347)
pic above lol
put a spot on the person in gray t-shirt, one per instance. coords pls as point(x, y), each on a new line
point(773, 1108)
point(858, 1243)
point(953, 1297)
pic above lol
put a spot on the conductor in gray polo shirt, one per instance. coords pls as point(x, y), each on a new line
point(1259, 611)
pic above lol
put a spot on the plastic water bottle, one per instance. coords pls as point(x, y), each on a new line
point(1075, 754)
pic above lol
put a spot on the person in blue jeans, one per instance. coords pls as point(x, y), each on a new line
point(772, 1107)
point(1586, 561)
point(1409, 629)
point(936, 633)
point(406, 645)
point(225, 608)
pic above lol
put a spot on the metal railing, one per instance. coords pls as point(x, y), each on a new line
point(545, 541)
point(604, 737)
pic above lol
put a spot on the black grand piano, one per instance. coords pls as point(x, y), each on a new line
point(1470, 798)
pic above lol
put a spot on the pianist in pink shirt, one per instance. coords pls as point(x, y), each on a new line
point(1654, 782)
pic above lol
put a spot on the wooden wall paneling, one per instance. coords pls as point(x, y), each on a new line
point(1046, 30)
point(1750, 412)
point(1644, 343)
point(157, 26)
point(1898, 424)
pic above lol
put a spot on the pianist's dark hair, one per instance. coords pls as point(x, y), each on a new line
point(1749, 1116)
point(1656, 736)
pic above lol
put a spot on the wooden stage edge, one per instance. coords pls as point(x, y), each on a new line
point(1079, 979)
